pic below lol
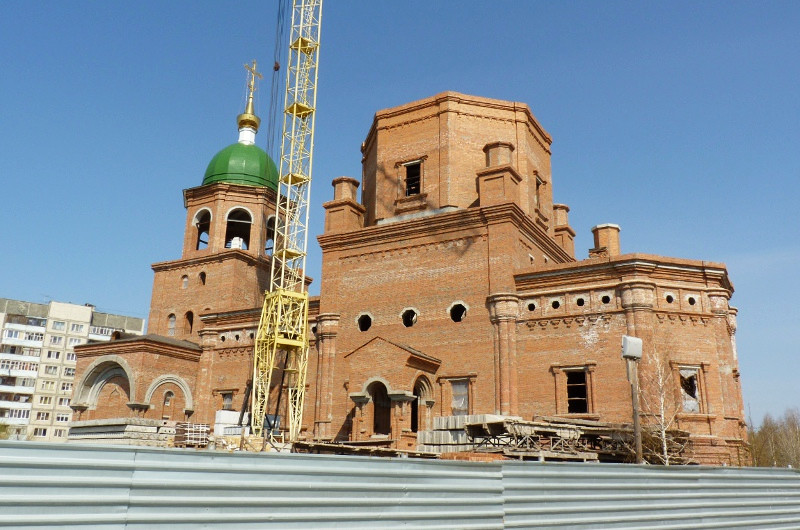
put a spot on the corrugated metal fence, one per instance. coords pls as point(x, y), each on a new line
point(57, 485)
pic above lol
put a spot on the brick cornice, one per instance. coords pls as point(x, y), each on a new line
point(468, 220)
point(138, 346)
point(247, 317)
point(440, 104)
point(628, 267)
point(228, 254)
point(224, 188)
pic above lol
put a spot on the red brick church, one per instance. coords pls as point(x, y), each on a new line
point(451, 287)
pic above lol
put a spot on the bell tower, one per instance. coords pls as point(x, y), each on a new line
point(227, 243)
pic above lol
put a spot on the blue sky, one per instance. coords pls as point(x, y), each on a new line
point(679, 121)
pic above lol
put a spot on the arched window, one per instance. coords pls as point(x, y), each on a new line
point(184, 282)
point(203, 278)
point(166, 409)
point(189, 322)
point(270, 244)
point(237, 233)
point(171, 325)
point(202, 222)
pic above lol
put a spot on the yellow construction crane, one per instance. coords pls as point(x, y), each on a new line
point(282, 339)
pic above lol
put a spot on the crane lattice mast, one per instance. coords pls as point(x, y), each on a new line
point(282, 339)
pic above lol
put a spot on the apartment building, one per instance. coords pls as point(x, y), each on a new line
point(37, 362)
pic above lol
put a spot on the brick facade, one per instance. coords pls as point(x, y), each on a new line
point(450, 287)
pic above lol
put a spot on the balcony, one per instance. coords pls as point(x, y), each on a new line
point(25, 327)
point(15, 405)
point(23, 342)
point(14, 421)
point(14, 389)
point(20, 357)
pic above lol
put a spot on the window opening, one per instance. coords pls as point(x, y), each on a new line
point(171, 325)
point(556, 304)
point(203, 278)
point(227, 401)
point(237, 232)
point(364, 322)
point(203, 225)
point(580, 302)
point(531, 307)
point(670, 299)
point(413, 178)
point(381, 408)
point(458, 312)
point(166, 409)
point(577, 401)
point(189, 322)
point(270, 243)
point(689, 390)
point(460, 404)
point(606, 299)
point(184, 282)
point(692, 300)
point(409, 318)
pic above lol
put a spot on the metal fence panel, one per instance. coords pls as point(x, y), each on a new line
point(572, 495)
point(56, 485)
point(203, 489)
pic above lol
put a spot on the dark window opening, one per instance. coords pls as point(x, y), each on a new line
point(689, 390)
point(606, 299)
point(420, 392)
point(692, 301)
point(203, 225)
point(364, 322)
point(670, 299)
point(237, 233)
point(580, 302)
point(203, 278)
point(531, 307)
point(189, 322)
point(556, 304)
point(270, 244)
point(415, 412)
point(409, 318)
point(236, 338)
point(413, 179)
point(458, 312)
point(381, 408)
point(577, 402)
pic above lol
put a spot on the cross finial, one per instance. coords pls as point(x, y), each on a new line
point(251, 84)
point(248, 118)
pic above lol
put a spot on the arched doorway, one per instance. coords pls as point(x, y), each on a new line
point(381, 408)
point(422, 393)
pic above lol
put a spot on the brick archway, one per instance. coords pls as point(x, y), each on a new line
point(97, 374)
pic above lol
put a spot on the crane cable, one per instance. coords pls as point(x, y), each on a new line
point(275, 92)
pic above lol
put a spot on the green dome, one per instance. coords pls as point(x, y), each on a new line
point(242, 164)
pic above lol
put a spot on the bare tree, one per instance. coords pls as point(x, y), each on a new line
point(663, 443)
point(776, 443)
